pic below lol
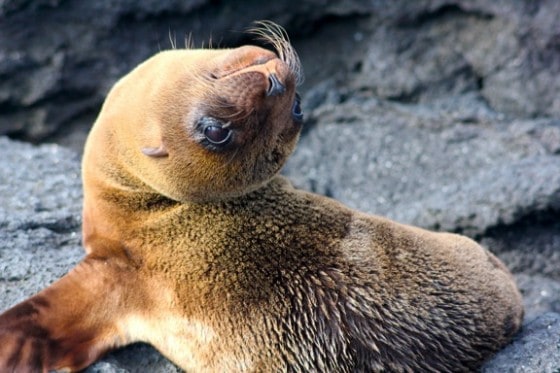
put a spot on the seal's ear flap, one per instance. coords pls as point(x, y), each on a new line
point(158, 152)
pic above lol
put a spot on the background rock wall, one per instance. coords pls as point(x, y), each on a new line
point(443, 114)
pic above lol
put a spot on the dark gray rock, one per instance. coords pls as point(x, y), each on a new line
point(40, 207)
point(58, 59)
point(138, 358)
point(531, 249)
point(40, 222)
point(506, 51)
point(541, 294)
point(531, 246)
point(454, 165)
point(535, 350)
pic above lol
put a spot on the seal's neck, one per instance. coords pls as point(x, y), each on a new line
point(112, 210)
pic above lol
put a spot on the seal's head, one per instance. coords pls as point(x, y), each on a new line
point(201, 124)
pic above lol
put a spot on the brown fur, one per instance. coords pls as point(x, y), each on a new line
point(222, 266)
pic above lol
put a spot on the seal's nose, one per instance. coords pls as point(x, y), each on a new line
point(275, 87)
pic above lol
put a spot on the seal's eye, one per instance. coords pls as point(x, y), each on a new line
point(297, 113)
point(217, 135)
point(214, 132)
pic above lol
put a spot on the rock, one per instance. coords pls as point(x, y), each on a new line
point(40, 222)
point(135, 358)
point(40, 209)
point(535, 350)
point(425, 50)
point(540, 294)
point(531, 249)
point(531, 246)
point(453, 165)
point(55, 73)
point(509, 57)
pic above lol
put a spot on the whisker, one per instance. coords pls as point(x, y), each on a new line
point(172, 39)
point(189, 42)
point(231, 159)
point(277, 36)
point(236, 115)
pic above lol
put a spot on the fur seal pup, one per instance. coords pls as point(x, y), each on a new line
point(195, 245)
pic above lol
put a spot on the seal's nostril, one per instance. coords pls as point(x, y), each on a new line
point(275, 88)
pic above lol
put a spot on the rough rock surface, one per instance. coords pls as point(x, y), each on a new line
point(40, 217)
point(449, 165)
point(40, 221)
point(439, 113)
point(58, 59)
point(536, 348)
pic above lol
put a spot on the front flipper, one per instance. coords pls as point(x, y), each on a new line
point(71, 323)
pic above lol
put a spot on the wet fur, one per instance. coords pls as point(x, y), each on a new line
point(224, 266)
